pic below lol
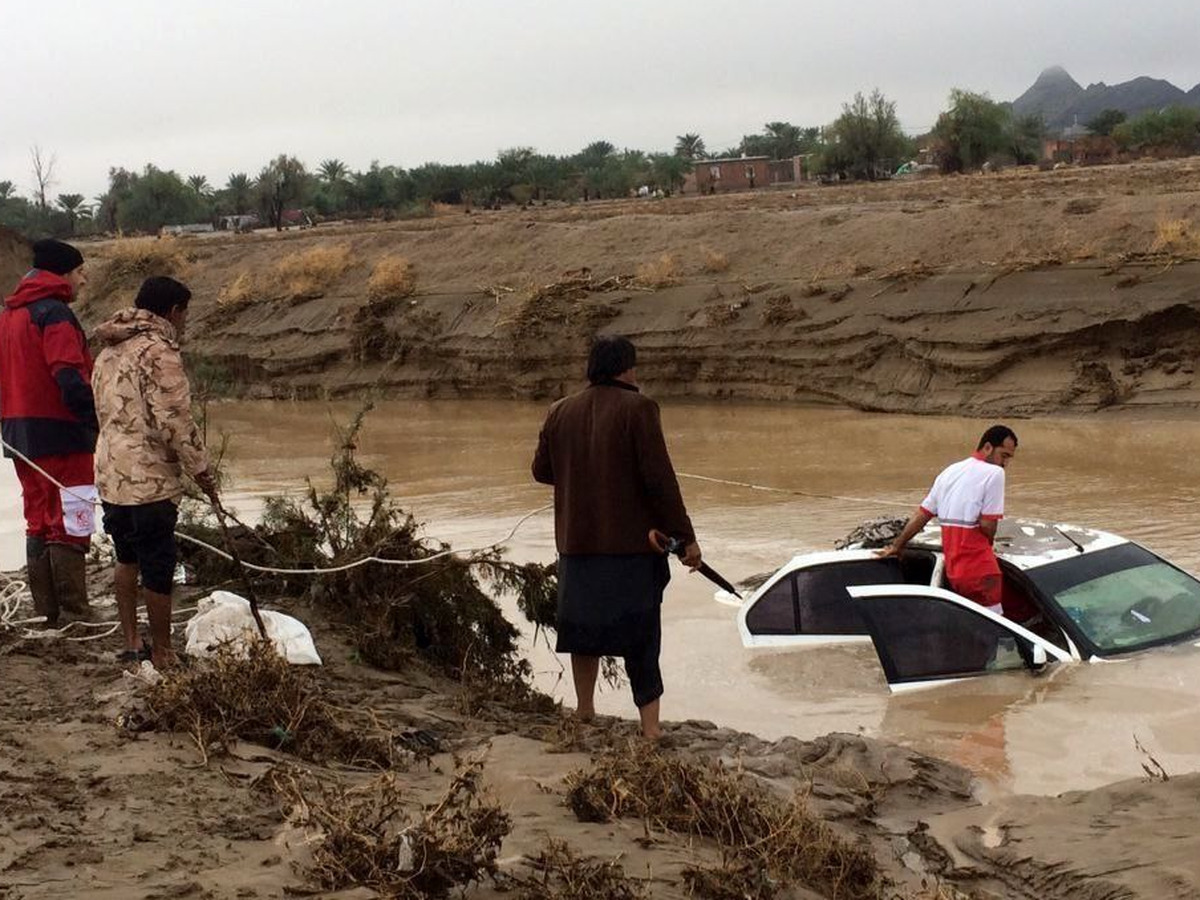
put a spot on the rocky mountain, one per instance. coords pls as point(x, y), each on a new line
point(1062, 102)
point(1050, 96)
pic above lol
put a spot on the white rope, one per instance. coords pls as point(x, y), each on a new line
point(873, 501)
point(14, 594)
point(272, 570)
point(381, 560)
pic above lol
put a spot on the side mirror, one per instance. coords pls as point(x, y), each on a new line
point(1038, 657)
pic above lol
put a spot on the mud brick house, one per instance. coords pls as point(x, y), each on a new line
point(1084, 150)
point(740, 173)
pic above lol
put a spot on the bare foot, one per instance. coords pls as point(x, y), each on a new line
point(164, 659)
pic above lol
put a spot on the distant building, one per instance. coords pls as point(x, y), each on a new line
point(194, 228)
point(738, 173)
point(1079, 146)
point(744, 173)
point(240, 223)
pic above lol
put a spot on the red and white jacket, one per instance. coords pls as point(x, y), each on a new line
point(46, 403)
point(963, 495)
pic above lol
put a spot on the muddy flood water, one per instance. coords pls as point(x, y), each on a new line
point(463, 469)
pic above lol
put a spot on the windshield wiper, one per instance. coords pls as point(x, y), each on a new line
point(1063, 534)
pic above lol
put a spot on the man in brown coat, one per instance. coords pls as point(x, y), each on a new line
point(604, 452)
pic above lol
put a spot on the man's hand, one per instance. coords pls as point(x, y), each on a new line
point(691, 556)
point(691, 553)
point(658, 540)
point(207, 483)
point(889, 550)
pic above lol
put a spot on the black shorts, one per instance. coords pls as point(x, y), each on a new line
point(610, 605)
point(144, 536)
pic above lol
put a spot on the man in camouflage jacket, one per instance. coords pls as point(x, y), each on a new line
point(148, 442)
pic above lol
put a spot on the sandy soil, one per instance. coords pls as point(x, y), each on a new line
point(89, 809)
point(1013, 293)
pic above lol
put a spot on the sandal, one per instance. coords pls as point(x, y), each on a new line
point(133, 656)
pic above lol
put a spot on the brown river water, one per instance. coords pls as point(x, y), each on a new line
point(462, 467)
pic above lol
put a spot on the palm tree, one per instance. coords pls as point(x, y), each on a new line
point(333, 171)
point(239, 187)
point(70, 204)
point(783, 139)
point(199, 184)
point(690, 146)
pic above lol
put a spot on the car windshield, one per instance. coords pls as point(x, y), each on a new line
point(1124, 597)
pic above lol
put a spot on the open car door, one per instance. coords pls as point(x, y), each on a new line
point(807, 602)
point(927, 635)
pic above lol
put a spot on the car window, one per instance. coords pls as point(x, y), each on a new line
point(1124, 597)
point(823, 603)
point(775, 611)
point(815, 601)
point(922, 638)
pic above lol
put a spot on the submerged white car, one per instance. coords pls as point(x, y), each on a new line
point(1070, 594)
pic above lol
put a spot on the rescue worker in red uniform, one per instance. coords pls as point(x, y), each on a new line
point(48, 414)
point(967, 498)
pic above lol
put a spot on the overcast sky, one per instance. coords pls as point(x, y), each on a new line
point(218, 86)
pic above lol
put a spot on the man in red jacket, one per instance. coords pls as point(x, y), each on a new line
point(48, 415)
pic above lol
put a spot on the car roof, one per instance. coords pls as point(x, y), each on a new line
point(1030, 544)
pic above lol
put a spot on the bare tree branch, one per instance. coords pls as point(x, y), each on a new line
point(43, 173)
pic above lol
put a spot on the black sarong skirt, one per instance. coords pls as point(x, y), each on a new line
point(609, 605)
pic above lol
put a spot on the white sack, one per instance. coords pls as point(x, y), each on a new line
point(225, 618)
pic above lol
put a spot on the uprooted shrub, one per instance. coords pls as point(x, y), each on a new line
point(260, 697)
point(365, 835)
point(766, 842)
point(433, 606)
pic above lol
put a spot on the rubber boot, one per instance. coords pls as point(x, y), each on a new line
point(69, 565)
point(41, 580)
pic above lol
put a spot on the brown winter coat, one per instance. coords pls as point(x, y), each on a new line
point(148, 437)
point(604, 452)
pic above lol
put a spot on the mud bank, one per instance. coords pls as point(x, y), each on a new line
point(1018, 294)
point(1029, 342)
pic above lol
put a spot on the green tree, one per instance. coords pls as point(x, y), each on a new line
point(669, 170)
point(199, 184)
point(599, 170)
point(1025, 135)
point(546, 175)
point(1173, 128)
point(866, 140)
point(973, 129)
point(282, 184)
point(71, 204)
point(7, 189)
point(108, 204)
point(332, 171)
point(1104, 123)
point(239, 193)
point(155, 198)
point(690, 146)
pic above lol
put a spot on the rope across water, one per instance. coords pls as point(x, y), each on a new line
point(13, 591)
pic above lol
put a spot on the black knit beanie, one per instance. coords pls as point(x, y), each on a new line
point(55, 256)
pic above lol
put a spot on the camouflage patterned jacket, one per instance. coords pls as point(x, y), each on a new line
point(148, 437)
